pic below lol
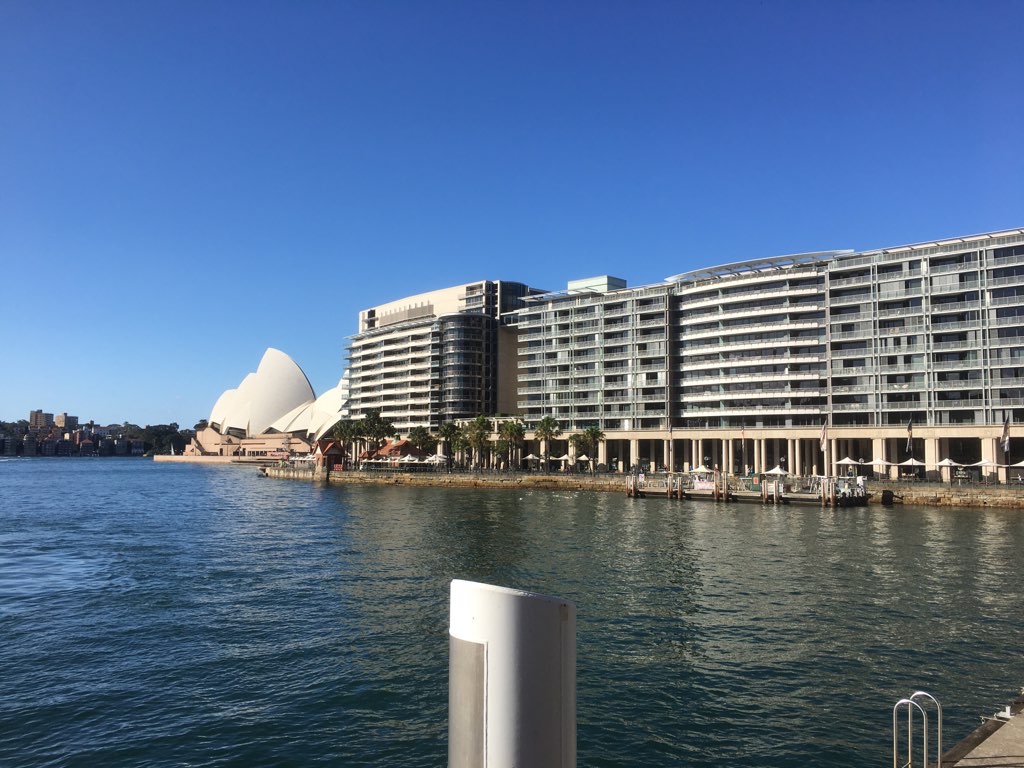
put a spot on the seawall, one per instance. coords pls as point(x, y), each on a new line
point(165, 459)
point(929, 494)
point(603, 483)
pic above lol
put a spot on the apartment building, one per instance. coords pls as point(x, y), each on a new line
point(437, 356)
point(743, 365)
point(39, 420)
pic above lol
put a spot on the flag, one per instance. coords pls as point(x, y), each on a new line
point(823, 440)
point(1006, 434)
point(910, 435)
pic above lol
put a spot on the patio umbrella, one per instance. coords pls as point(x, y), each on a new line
point(985, 463)
point(1018, 464)
point(584, 457)
point(949, 463)
point(777, 470)
point(911, 463)
point(531, 457)
point(881, 463)
point(702, 470)
point(848, 462)
point(563, 458)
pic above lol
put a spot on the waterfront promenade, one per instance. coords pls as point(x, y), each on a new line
point(922, 493)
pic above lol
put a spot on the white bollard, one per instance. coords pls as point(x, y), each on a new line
point(511, 679)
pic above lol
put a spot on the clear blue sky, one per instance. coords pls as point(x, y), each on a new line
point(183, 184)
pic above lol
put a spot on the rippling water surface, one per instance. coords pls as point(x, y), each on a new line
point(164, 615)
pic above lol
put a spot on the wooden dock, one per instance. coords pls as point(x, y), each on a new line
point(765, 489)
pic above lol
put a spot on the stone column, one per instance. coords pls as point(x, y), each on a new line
point(634, 451)
point(989, 451)
point(931, 455)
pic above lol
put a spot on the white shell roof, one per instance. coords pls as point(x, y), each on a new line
point(277, 389)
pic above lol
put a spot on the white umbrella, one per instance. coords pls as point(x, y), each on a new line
point(702, 470)
point(985, 463)
point(911, 463)
point(531, 457)
point(1018, 464)
point(881, 463)
point(847, 461)
point(584, 457)
point(949, 463)
point(777, 470)
point(563, 458)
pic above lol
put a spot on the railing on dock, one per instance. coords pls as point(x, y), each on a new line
point(915, 702)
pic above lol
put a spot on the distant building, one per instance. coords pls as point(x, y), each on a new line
point(40, 420)
point(438, 356)
point(64, 421)
point(273, 410)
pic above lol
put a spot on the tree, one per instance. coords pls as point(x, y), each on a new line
point(547, 429)
point(477, 434)
point(459, 443)
point(587, 442)
point(513, 433)
point(346, 432)
point(449, 432)
point(421, 438)
point(376, 429)
point(201, 424)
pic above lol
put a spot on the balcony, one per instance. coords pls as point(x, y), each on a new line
point(959, 404)
point(969, 285)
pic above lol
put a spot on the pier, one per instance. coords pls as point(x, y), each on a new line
point(998, 741)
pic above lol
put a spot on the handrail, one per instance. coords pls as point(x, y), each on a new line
point(910, 734)
point(938, 719)
point(912, 703)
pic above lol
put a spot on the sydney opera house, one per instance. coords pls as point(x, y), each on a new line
point(274, 411)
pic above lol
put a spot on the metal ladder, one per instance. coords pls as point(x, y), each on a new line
point(912, 703)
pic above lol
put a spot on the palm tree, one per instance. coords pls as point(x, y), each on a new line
point(346, 432)
point(421, 438)
point(449, 433)
point(513, 433)
point(547, 429)
point(477, 434)
point(377, 429)
point(587, 442)
point(459, 444)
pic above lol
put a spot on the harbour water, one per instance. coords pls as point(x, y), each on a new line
point(167, 615)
